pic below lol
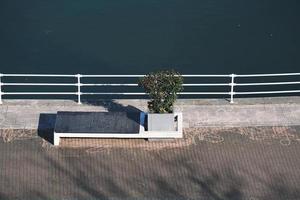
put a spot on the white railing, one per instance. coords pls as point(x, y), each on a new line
point(231, 84)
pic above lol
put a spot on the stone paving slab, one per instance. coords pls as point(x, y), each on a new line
point(281, 111)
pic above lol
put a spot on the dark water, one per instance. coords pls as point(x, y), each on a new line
point(138, 36)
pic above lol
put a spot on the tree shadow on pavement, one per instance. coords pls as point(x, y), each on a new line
point(112, 105)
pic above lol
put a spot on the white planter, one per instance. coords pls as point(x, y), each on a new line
point(161, 122)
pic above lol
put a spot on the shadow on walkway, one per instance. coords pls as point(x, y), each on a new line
point(113, 106)
point(47, 120)
point(46, 126)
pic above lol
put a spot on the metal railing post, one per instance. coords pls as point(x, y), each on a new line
point(78, 89)
point(1, 75)
point(232, 88)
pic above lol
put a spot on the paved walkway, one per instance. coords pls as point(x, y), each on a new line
point(211, 164)
point(282, 111)
point(249, 150)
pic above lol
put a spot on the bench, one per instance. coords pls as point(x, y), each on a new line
point(109, 125)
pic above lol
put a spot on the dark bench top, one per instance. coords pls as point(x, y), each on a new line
point(97, 122)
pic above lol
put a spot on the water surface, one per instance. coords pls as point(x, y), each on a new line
point(138, 36)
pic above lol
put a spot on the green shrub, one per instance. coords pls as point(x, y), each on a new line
point(162, 87)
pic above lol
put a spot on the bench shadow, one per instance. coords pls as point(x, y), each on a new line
point(47, 121)
point(46, 126)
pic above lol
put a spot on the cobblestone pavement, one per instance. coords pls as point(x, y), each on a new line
point(209, 163)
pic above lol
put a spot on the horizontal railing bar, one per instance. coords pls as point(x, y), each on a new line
point(203, 93)
point(109, 84)
point(40, 84)
point(270, 83)
point(113, 93)
point(39, 93)
point(142, 93)
point(264, 75)
point(102, 93)
point(134, 84)
point(206, 75)
point(110, 76)
point(270, 92)
point(38, 75)
point(138, 93)
point(184, 75)
point(206, 84)
point(132, 76)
